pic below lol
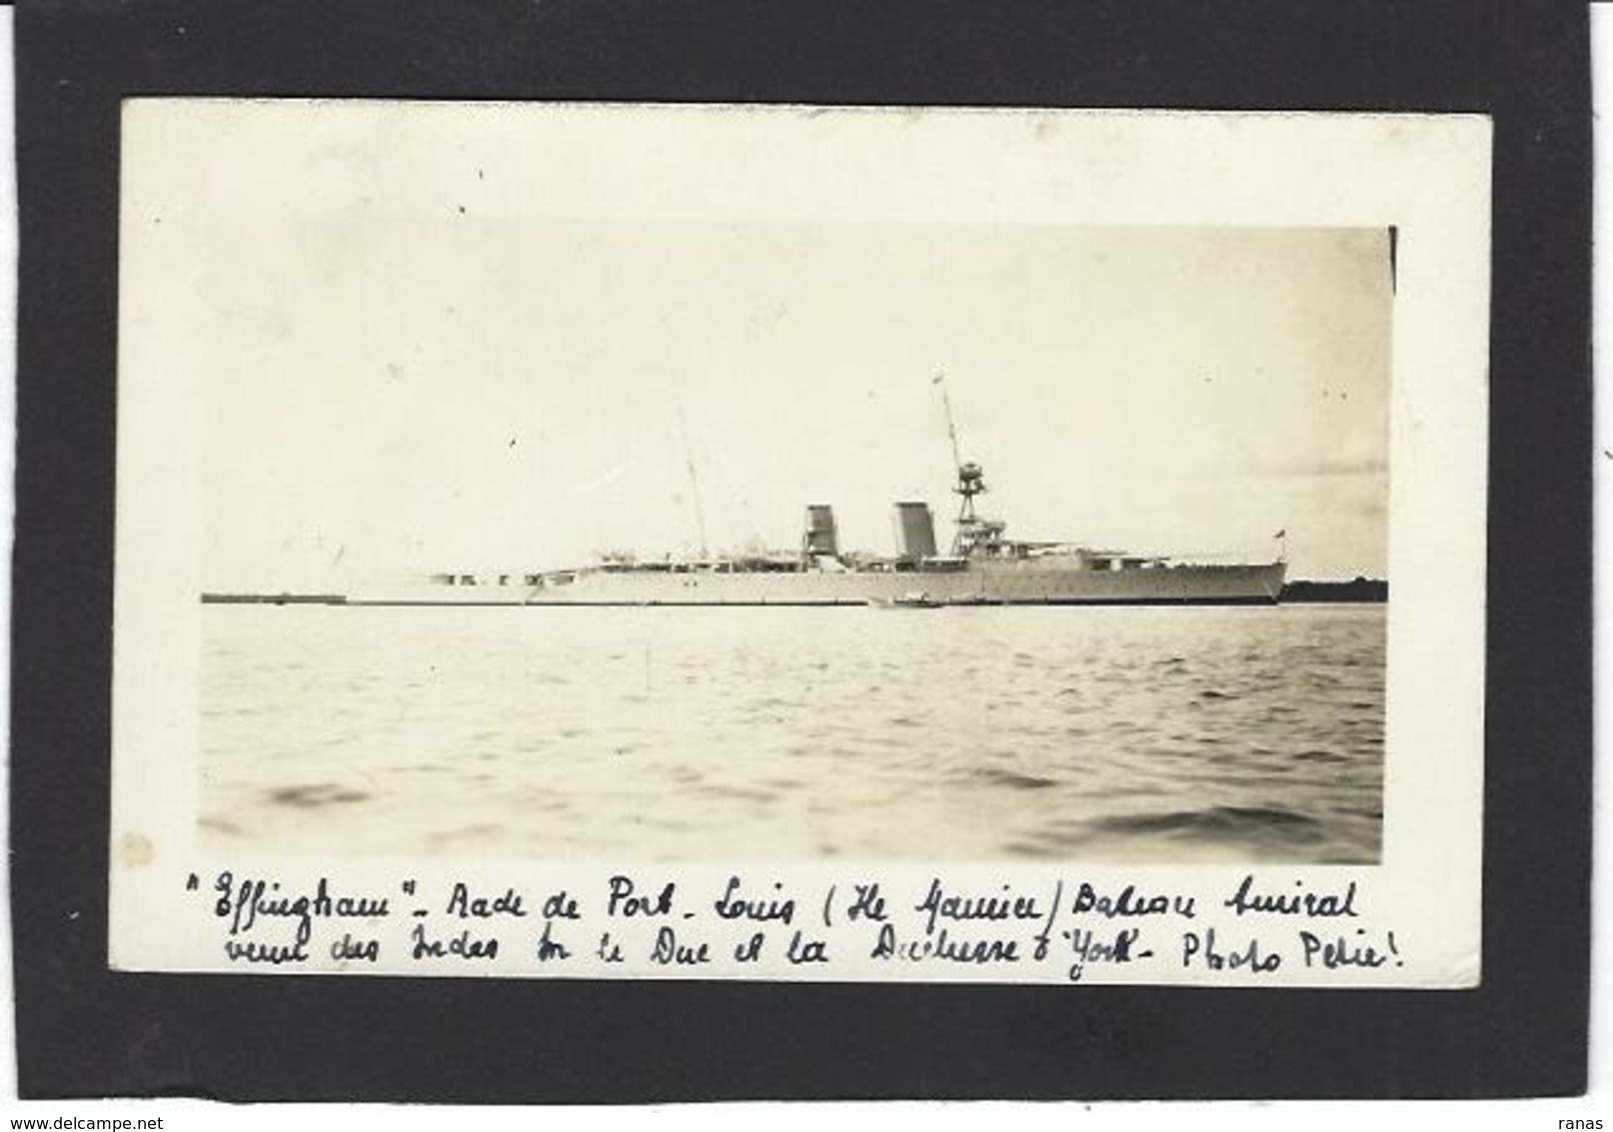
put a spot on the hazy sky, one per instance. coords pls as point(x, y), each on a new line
point(396, 394)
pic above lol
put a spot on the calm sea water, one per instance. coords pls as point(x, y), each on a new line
point(1090, 734)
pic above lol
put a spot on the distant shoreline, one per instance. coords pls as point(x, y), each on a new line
point(1361, 591)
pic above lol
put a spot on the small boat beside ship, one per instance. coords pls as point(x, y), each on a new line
point(914, 599)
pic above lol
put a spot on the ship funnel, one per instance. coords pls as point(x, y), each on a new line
point(915, 531)
point(820, 536)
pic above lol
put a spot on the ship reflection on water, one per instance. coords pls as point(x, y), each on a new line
point(984, 733)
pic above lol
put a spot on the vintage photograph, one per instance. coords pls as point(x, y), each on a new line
point(767, 495)
point(551, 536)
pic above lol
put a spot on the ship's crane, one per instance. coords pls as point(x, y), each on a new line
point(973, 533)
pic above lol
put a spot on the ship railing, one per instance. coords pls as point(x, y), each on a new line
point(1215, 558)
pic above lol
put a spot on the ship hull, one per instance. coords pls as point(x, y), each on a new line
point(1009, 583)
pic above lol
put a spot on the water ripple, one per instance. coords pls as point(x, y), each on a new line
point(797, 733)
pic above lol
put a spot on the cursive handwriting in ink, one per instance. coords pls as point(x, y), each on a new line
point(349, 948)
point(1248, 957)
point(1121, 947)
point(560, 906)
point(465, 945)
point(1130, 903)
point(465, 905)
point(625, 899)
point(1247, 900)
point(803, 950)
point(940, 945)
point(670, 951)
point(551, 949)
point(245, 903)
point(252, 951)
point(868, 904)
point(751, 950)
point(735, 905)
point(938, 904)
point(1342, 951)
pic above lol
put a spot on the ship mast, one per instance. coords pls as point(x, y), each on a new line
point(694, 485)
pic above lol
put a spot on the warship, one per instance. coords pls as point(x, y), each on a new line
point(981, 567)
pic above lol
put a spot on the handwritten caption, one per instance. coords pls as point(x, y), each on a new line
point(1068, 929)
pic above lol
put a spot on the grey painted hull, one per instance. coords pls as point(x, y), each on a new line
point(1007, 583)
